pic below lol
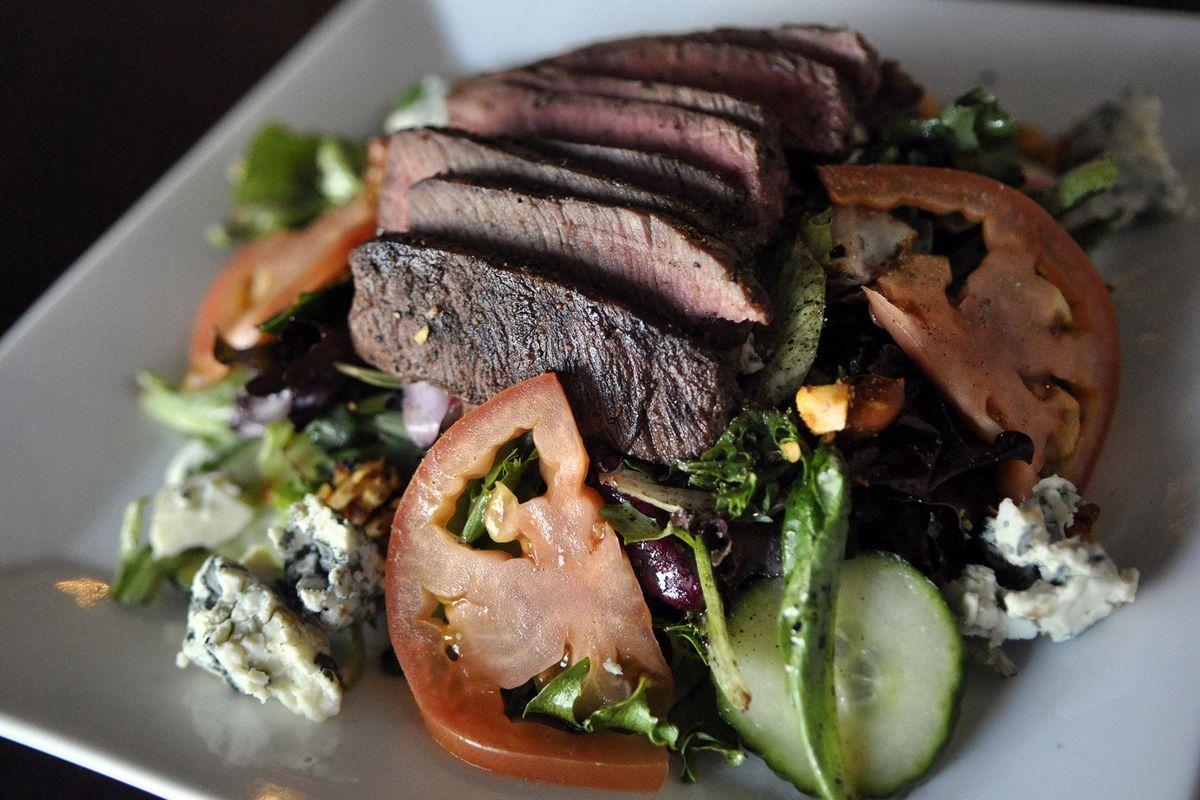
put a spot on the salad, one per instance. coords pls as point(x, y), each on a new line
point(916, 371)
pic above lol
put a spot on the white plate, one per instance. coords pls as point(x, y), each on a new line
point(1115, 714)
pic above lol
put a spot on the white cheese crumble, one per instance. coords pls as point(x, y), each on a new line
point(240, 630)
point(1077, 583)
point(335, 569)
point(205, 510)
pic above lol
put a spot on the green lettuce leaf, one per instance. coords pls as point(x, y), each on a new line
point(813, 546)
point(710, 634)
point(140, 575)
point(287, 179)
point(516, 467)
point(633, 525)
point(203, 413)
point(558, 697)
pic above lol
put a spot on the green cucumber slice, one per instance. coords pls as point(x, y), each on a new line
point(898, 670)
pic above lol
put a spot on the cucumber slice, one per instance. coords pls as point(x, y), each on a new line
point(898, 670)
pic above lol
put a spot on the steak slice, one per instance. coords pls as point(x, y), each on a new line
point(843, 49)
point(816, 110)
point(475, 324)
point(419, 153)
point(751, 115)
point(490, 105)
point(652, 260)
point(653, 171)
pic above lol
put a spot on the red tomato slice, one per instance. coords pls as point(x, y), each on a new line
point(266, 276)
point(571, 595)
point(1029, 344)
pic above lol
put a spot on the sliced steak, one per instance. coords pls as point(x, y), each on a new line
point(490, 105)
point(843, 49)
point(751, 115)
point(475, 324)
point(816, 110)
point(652, 260)
point(653, 171)
point(420, 153)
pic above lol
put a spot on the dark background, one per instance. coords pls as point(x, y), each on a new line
point(97, 101)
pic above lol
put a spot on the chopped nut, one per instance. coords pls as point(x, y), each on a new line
point(790, 450)
point(366, 495)
point(422, 334)
point(824, 408)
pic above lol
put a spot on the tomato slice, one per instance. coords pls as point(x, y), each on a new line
point(266, 276)
point(508, 619)
point(1029, 344)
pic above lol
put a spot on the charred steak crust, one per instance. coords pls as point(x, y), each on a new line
point(475, 324)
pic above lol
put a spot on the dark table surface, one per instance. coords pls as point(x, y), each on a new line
point(97, 101)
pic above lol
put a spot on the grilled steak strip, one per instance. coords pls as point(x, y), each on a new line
point(490, 105)
point(816, 110)
point(475, 324)
point(653, 171)
point(751, 115)
point(844, 50)
point(420, 153)
point(647, 258)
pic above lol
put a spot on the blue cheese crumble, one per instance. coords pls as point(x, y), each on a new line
point(205, 510)
point(1077, 584)
point(240, 630)
point(334, 568)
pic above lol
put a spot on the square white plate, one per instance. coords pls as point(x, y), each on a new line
point(1115, 714)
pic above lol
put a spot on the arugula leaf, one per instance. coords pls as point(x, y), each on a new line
point(633, 525)
point(640, 485)
point(686, 640)
point(558, 697)
point(798, 294)
point(694, 706)
point(745, 467)
point(725, 670)
point(815, 527)
point(516, 468)
point(716, 649)
point(287, 179)
point(700, 739)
